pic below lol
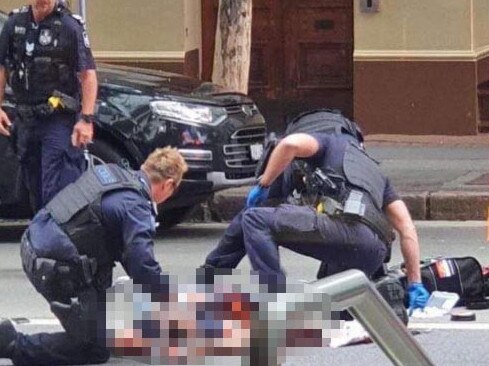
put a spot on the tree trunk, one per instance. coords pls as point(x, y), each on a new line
point(233, 45)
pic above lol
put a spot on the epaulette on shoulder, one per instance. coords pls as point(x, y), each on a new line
point(23, 9)
point(79, 19)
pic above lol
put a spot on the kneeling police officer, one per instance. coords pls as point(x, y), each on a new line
point(69, 250)
point(349, 226)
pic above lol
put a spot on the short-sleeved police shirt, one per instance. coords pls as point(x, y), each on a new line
point(73, 35)
point(329, 157)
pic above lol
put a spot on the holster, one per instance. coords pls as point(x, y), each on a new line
point(56, 279)
point(70, 104)
point(69, 290)
point(358, 207)
point(40, 271)
point(28, 112)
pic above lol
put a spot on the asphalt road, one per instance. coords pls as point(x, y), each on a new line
point(182, 249)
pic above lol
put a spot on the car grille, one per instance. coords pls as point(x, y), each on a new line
point(247, 109)
point(237, 154)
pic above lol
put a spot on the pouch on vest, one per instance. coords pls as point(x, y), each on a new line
point(363, 172)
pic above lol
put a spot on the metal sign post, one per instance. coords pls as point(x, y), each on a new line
point(353, 291)
point(82, 9)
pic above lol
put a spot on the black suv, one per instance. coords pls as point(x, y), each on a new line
point(219, 134)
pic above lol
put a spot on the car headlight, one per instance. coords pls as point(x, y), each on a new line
point(191, 114)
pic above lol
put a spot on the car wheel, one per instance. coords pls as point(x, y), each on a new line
point(100, 152)
point(174, 216)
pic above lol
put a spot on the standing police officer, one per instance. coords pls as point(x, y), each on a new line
point(45, 56)
point(70, 247)
point(349, 228)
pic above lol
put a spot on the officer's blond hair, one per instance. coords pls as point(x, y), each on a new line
point(164, 164)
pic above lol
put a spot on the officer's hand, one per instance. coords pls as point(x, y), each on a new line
point(257, 195)
point(418, 296)
point(82, 134)
point(4, 123)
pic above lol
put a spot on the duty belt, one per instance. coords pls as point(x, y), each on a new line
point(29, 111)
point(58, 103)
point(356, 208)
point(33, 264)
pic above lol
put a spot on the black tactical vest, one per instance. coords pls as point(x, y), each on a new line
point(77, 208)
point(41, 58)
point(354, 194)
point(324, 121)
point(365, 191)
point(364, 173)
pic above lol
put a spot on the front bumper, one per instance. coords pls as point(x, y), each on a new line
point(225, 165)
point(219, 181)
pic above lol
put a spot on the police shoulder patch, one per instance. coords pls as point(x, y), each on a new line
point(105, 175)
point(86, 42)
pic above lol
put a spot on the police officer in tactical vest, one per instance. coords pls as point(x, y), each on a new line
point(69, 250)
point(46, 59)
point(346, 225)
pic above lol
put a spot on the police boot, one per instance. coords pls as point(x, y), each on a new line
point(8, 335)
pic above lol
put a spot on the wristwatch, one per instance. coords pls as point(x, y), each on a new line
point(88, 118)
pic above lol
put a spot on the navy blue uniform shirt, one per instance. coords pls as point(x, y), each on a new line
point(328, 157)
point(71, 45)
point(130, 226)
point(128, 218)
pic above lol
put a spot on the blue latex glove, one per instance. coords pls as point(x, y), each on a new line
point(257, 195)
point(418, 296)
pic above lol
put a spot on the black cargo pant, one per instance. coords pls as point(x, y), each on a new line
point(259, 231)
point(83, 341)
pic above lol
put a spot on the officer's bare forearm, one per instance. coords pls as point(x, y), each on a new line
point(410, 253)
point(299, 145)
point(3, 83)
point(89, 85)
point(400, 218)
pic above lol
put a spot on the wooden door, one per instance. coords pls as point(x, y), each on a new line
point(301, 58)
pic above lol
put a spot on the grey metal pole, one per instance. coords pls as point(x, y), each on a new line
point(82, 9)
point(353, 291)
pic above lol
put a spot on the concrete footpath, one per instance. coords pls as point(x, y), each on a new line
point(439, 177)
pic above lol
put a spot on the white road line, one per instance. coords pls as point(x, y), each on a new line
point(443, 326)
point(38, 322)
point(450, 326)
